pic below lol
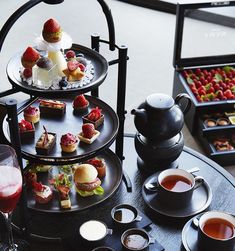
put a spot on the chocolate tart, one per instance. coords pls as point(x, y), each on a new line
point(45, 149)
point(96, 123)
point(52, 107)
point(210, 122)
point(28, 134)
point(223, 122)
point(80, 110)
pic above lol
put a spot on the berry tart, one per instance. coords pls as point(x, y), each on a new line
point(32, 114)
point(68, 143)
point(95, 117)
point(52, 31)
point(42, 193)
point(88, 134)
point(52, 107)
point(27, 129)
point(80, 104)
point(100, 166)
point(29, 57)
point(45, 143)
point(73, 71)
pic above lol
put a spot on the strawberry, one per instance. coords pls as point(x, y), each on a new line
point(88, 130)
point(72, 65)
point(51, 26)
point(25, 126)
point(30, 54)
point(70, 54)
point(27, 72)
point(95, 114)
point(82, 67)
point(80, 101)
point(38, 186)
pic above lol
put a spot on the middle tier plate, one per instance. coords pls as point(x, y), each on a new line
point(70, 122)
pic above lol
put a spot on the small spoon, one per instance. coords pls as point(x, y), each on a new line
point(152, 186)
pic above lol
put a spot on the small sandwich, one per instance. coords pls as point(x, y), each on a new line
point(86, 181)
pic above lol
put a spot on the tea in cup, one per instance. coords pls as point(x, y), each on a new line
point(216, 231)
point(125, 214)
point(176, 186)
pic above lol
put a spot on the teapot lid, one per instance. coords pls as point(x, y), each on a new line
point(160, 101)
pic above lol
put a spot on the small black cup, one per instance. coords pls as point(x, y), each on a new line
point(209, 241)
point(144, 242)
point(125, 214)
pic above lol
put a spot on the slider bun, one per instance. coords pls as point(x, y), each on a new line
point(85, 173)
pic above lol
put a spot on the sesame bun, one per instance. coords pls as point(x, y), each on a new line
point(85, 173)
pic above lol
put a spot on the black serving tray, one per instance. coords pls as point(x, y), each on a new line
point(100, 72)
point(70, 122)
point(110, 183)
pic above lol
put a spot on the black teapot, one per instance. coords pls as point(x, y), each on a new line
point(161, 117)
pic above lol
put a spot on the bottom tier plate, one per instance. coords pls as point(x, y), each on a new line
point(110, 183)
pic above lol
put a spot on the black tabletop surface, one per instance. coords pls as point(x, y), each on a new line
point(167, 230)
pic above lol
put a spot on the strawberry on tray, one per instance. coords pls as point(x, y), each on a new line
point(95, 117)
point(88, 134)
point(211, 84)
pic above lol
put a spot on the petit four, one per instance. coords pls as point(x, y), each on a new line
point(223, 122)
point(29, 57)
point(27, 129)
point(42, 193)
point(94, 116)
point(52, 31)
point(210, 122)
point(68, 143)
point(222, 145)
point(73, 71)
point(99, 164)
point(32, 114)
point(45, 143)
point(53, 107)
point(88, 134)
point(80, 104)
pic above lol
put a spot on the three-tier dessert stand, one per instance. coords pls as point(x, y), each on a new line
point(115, 121)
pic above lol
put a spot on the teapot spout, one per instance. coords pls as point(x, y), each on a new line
point(138, 112)
point(140, 120)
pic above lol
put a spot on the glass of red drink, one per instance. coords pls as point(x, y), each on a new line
point(10, 187)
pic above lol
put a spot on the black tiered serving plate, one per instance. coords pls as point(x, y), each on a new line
point(110, 183)
point(70, 122)
point(100, 72)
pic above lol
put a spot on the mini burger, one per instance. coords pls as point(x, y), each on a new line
point(86, 181)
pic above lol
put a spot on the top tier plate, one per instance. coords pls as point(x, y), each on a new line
point(99, 63)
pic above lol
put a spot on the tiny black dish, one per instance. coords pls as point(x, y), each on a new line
point(125, 214)
point(136, 239)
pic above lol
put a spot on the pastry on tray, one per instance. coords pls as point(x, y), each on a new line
point(88, 134)
point(45, 143)
point(223, 145)
point(68, 143)
point(99, 164)
point(52, 31)
point(42, 193)
point(73, 71)
point(95, 117)
point(29, 57)
point(65, 201)
point(80, 104)
point(32, 114)
point(27, 129)
point(52, 107)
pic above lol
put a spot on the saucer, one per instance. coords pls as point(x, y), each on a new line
point(201, 200)
point(189, 236)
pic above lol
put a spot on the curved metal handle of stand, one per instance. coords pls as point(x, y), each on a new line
point(28, 5)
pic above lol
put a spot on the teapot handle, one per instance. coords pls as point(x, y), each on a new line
point(188, 105)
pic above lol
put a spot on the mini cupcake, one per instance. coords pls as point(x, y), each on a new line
point(32, 114)
point(68, 143)
point(80, 104)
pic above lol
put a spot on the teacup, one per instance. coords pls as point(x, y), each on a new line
point(125, 214)
point(176, 186)
point(94, 231)
point(216, 231)
point(136, 239)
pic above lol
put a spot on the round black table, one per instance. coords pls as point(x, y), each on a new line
point(166, 230)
